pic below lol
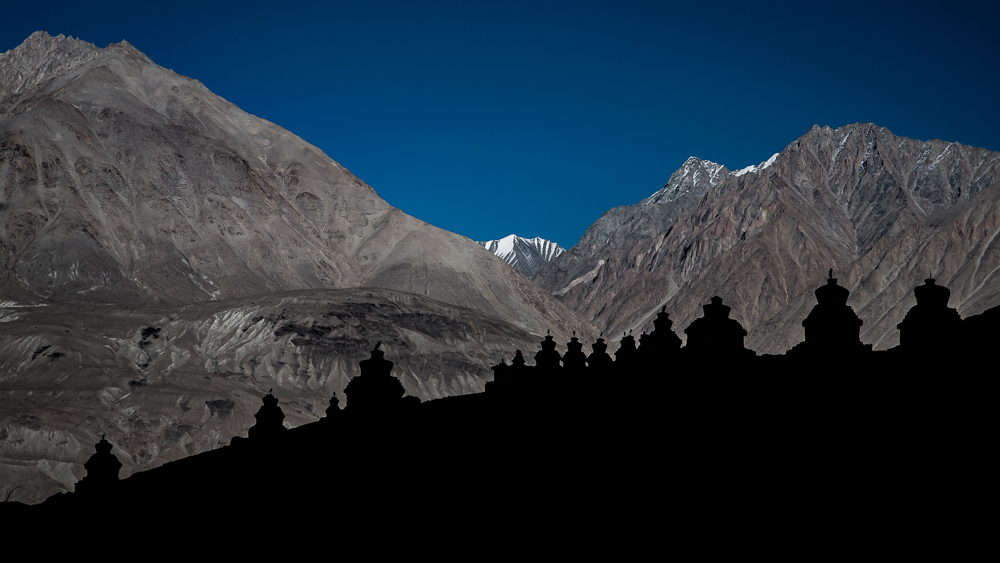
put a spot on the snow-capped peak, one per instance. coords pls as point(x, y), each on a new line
point(757, 167)
point(502, 247)
point(526, 255)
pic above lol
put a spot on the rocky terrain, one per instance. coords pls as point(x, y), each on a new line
point(166, 382)
point(524, 254)
point(885, 212)
point(125, 183)
point(169, 258)
point(621, 227)
point(150, 234)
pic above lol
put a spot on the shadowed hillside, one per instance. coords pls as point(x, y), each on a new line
point(832, 427)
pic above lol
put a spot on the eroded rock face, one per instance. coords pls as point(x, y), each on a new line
point(883, 211)
point(165, 383)
point(122, 182)
point(621, 227)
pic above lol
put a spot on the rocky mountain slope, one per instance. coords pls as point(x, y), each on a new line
point(165, 382)
point(130, 194)
point(883, 211)
point(621, 226)
point(524, 254)
point(123, 182)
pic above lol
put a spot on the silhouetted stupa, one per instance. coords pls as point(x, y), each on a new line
point(930, 326)
point(518, 361)
point(270, 420)
point(502, 375)
point(660, 346)
point(625, 355)
point(663, 338)
point(575, 361)
point(547, 359)
point(599, 363)
point(102, 470)
point(375, 389)
point(832, 327)
point(716, 333)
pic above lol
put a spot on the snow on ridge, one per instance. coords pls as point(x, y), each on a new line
point(770, 161)
point(843, 141)
point(713, 178)
point(504, 246)
point(527, 255)
point(546, 248)
point(940, 157)
point(757, 167)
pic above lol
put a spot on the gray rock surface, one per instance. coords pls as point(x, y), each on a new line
point(125, 183)
point(170, 381)
point(133, 198)
point(884, 212)
point(621, 227)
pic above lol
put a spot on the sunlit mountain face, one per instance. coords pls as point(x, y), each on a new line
point(884, 212)
point(169, 258)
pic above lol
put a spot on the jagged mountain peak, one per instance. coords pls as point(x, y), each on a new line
point(44, 63)
point(620, 225)
point(713, 171)
point(42, 42)
point(41, 47)
point(821, 135)
point(41, 57)
point(695, 173)
point(692, 171)
point(524, 254)
point(883, 209)
point(694, 161)
point(866, 126)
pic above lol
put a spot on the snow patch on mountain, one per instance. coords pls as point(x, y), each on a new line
point(757, 167)
point(524, 254)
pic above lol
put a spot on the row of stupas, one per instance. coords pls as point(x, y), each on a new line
point(832, 335)
point(832, 330)
point(373, 394)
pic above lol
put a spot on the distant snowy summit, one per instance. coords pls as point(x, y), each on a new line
point(525, 254)
point(757, 167)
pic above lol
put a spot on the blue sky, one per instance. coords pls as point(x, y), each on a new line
point(492, 118)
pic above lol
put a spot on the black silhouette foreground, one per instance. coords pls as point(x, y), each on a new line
point(701, 432)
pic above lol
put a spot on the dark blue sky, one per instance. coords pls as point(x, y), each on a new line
point(492, 118)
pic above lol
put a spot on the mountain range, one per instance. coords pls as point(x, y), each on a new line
point(168, 256)
point(169, 259)
point(884, 212)
point(126, 183)
point(524, 254)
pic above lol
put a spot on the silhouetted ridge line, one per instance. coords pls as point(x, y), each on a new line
point(540, 428)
